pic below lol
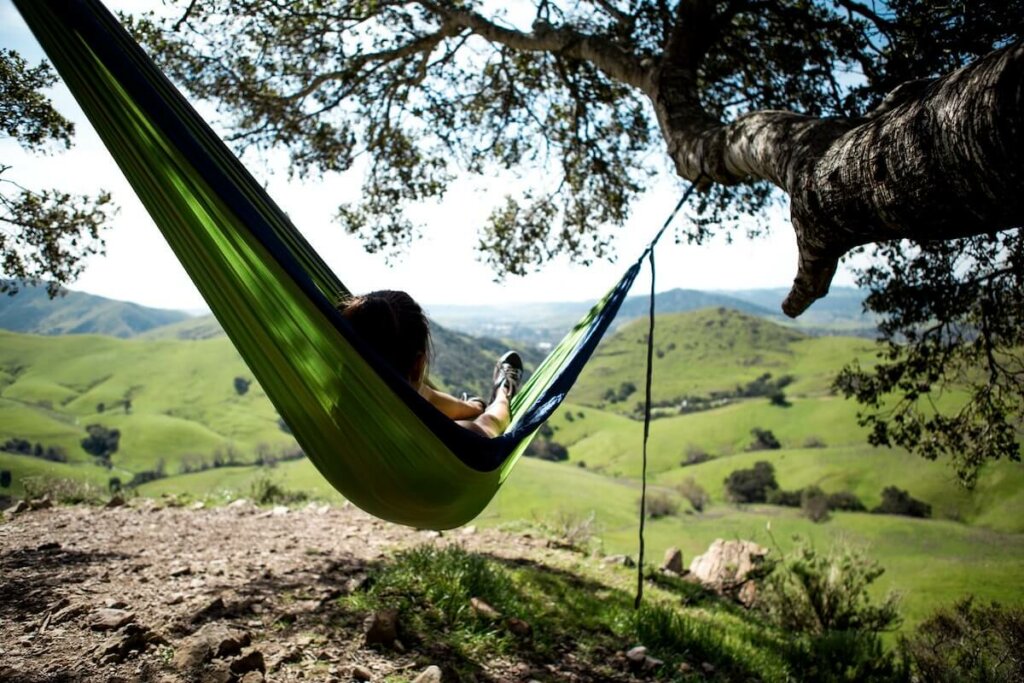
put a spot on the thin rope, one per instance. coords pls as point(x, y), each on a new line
point(649, 253)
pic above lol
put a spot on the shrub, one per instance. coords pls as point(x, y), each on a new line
point(546, 449)
point(814, 442)
point(100, 407)
point(778, 398)
point(67, 491)
point(265, 491)
point(694, 493)
point(101, 442)
point(823, 603)
point(114, 484)
point(789, 499)
point(896, 501)
point(764, 440)
point(146, 476)
point(5, 479)
point(844, 500)
point(814, 504)
point(573, 529)
point(969, 643)
point(660, 504)
point(752, 485)
point(242, 385)
point(695, 455)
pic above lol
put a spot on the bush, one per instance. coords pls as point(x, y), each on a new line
point(969, 643)
point(751, 486)
point(67, 491)
point(5, 479)
point(694, 493)
point(899, 502)
point(844, 500)
point(814, 442)
point(546, 449)
point(242, 385)
point(694, 456)
point(146, 476)
point(265, 491)
point(101, 442)
point(789, 499)
point(778, 398)
point(823, 603)
point(114, 484)
point(814, 504)
point(764, 440)
point(573, 529)
point(660, 504)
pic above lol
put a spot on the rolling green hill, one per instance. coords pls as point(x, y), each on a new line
point(32, 310)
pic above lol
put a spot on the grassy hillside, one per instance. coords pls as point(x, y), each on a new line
point(33, 311)
point(712, 352)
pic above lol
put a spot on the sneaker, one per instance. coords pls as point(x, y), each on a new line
point(508, 373)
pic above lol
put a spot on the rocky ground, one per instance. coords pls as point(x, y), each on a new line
point(154, 592)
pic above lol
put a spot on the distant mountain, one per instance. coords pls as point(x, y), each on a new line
point(546, 323)
point(32, 311)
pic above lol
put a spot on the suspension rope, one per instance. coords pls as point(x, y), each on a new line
point(649, 253)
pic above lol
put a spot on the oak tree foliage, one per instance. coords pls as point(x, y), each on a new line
point(45, 234)
point(890, 122)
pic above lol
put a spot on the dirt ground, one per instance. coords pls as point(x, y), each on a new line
point(153, 592)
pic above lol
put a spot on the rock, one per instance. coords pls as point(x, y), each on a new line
point(117, 604)
point(175, 599)
point(361, 673)
point(519, 627)
point(107, 619)
point(708, 668)
point(216, 672)
point(212, 640)
point(468, 530)
point(382, 628)
point(115, 501)
point(252, 677)
point(250, 661)
point(239, 503)
point(70, 612)
point(180, 570)
point(484, 610)
point(431, 674)
point(17, 508)
point(747, 594)
point(624, 560)
point(132, 638)
point(196, 506)
point(212, 610)
point(43, 503)
point(673, 561)
point(46, 547)
point(637, 655)
point(728, 565)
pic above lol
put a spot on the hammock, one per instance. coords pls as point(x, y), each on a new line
point(366, 430)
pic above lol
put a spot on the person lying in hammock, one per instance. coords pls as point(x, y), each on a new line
point(396, 327)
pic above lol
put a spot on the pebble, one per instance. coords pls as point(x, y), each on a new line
point(361, 673)
point(432, 674)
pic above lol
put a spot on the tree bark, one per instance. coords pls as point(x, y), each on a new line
point(941, 160)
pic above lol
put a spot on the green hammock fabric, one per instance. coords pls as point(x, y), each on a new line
point(365, 430)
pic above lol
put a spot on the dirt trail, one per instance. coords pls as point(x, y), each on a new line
point(120, 594)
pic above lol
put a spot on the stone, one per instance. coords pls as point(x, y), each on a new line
point(728, 565)
point(624, 560)
point(468, 530)
point(132, 638)
point(43, 503)
point(250, 661)
point(107, 619)
point(482, 609)
point(519, 627)
point(637, 655)
point(212, 610)
point(432, 674)
point(211, 641)
point(673, 561)
point(251, 677)
point(361, 673)
point(216, 672)
point(382, 628)
point(180, 570)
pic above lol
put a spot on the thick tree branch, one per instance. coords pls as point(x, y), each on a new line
point(617, 63)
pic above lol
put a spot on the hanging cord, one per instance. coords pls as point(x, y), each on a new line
point(649, 253)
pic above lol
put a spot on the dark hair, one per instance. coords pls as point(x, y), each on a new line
point(393, 324)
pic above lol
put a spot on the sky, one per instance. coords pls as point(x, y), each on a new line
point(442, 267)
